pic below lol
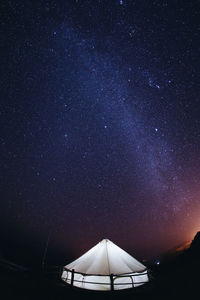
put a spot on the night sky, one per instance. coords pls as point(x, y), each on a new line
point(100, 125)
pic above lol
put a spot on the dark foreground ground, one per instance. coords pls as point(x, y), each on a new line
point(177, 278)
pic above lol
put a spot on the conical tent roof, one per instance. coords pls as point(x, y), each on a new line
point(105, 267)
point(104, 259)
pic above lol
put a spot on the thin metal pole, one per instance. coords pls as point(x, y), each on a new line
point(50, 231)
point(45, 251)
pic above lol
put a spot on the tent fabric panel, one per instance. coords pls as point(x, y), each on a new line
point(100, 283)
point(121, 261)
point(106, 258)
point(123, 282)
point(82, 263)
point(93, 262)
point(140, 278)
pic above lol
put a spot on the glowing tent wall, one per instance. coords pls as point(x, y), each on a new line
point(105, 267)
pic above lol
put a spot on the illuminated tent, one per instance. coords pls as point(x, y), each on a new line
point(105, 267)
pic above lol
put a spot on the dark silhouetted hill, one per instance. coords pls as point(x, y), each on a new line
point(195, 245)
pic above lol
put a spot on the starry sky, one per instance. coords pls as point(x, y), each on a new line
point(100, 125)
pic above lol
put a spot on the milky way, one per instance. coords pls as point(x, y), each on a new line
point(100, 123)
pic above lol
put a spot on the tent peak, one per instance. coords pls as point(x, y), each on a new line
point(106, 240)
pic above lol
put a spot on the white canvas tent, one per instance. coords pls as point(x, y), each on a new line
point(105, 267)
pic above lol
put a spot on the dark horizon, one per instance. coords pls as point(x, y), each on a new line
point(32, 251)
point(100, 127)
